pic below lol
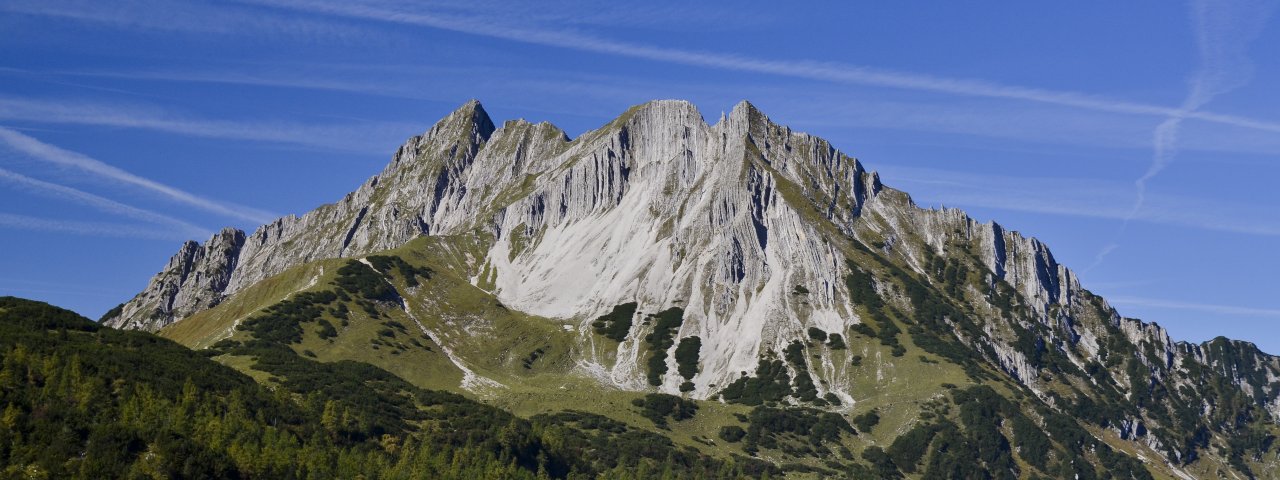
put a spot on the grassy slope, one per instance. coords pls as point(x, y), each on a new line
point(204, 328)
point(490, 339)
point(493, 341)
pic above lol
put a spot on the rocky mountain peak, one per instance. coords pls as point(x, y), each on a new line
point(744, 112)
point(665, 209)
point(660, 157)
point(765, 240)
point(471, 116)
point(192, 280)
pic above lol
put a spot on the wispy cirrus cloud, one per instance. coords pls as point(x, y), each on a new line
point(65, 193)
point(241, 18)
point(538, 89)
point(542, 26)
point(1081, 197)
point(1201, 307)
point(217, 18)
point(64, 158)
point(839, 107)
point(822, 71)
point(268, 79)
point(1222, 31)
point(364, 136)
point(98, 229)
point(654, 16)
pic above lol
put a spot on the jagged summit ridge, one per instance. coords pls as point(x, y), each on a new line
point(192, 280)
point(656, 206)
point(449, 178)
point(330, 231)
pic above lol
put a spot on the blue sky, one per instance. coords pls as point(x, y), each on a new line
point(1140, 140)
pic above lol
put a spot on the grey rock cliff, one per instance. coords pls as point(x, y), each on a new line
point(656, 206)
point(193, 280)
point(377, 216)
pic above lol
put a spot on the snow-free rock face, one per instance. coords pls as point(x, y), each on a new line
point(657, 207)
point(665, 210)
point(377, 216)
point(753, 230)
point(193, 280)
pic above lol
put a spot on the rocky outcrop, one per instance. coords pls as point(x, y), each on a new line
point(657, 206)
point(1254, 372)
point(193, 280)
point(386, 211)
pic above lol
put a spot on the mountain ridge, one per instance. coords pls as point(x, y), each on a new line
point(221, 268)
point(760, 235)
point(844, 196)
point(475, 119)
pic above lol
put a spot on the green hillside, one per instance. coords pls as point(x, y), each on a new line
point(84, 401)
point(927, 406)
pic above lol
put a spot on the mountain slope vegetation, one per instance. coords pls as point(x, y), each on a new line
point(86, 401)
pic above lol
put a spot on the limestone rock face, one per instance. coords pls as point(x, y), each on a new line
point(724, 220)
point(193, 280)
point(377, 216)
point(752, 229)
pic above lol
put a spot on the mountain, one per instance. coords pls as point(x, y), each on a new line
point(755, 271)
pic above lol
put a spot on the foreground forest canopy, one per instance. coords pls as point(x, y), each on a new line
point(86, 401)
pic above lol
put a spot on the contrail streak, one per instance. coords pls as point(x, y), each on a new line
point(1222, 31)
point(52, 154)
point(104, 204)
point(88, 228)
point(823, 71)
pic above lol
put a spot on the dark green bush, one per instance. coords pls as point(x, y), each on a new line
point(657, 407)
point(660, 339)
point(687, 356)
point(732, 433)
point(409, 273)
point(616, 324)
point(805, 389)
point(771, 383)
point(867, 421)
point(836, 342)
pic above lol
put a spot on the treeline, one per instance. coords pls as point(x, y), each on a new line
point(977, 447)
point(84, 401)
